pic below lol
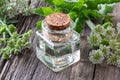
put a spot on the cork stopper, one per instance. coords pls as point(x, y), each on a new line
point(57, 21)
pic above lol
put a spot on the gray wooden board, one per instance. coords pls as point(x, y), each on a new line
point(26, 66)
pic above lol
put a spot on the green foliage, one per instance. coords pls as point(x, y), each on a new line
point(108, 44)
point(80, 11)
point(96, 56)
point(15, 42)
point(38, 25)
point(44, 11)
point(11, 8)
point(11, 41)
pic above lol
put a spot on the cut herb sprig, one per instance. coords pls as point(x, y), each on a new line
point(13, 41)
point(11, 8)
point(105, 44)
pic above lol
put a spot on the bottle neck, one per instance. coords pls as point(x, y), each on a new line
point(57, 35)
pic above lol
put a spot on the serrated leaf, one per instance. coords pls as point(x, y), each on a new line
point(78, 25)
point(58, 10)
point(12, 28)
point(2, 29)
point(5, 56)
point(44, 11)
point(73, 15)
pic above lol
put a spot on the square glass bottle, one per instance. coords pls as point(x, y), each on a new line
point(58, 49)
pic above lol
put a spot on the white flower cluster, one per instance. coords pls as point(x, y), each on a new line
point(105, 42)
point(15, 7)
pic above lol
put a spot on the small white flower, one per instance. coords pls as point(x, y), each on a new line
point(99, 29)
point(114, 44)
point(110, 32)
point(112, 59)
point(94, 39)
point(106, 50)
point(118, 62)
point(15, 7)
point(96, 56)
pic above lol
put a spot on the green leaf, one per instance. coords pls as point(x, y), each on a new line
point(108, 9)
point(105, 42)
point(5, 56)
point(12, 28)
point(58, 2)
point(73, 15)
point(112, 59)
point(39, 25)
point(2, 40)
point(49, 1)
point(66, 7)
point(58, 10)
point(78, 25)
point(2, 29)
point(93, 14)
point(11, 21)
point(27, 44)
point(107, 24)
point(44, 11)
point(92, 4)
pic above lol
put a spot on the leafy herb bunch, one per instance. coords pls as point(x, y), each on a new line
point(80, 11)
point(11, 42)
point(11, 8)
point(105, 42)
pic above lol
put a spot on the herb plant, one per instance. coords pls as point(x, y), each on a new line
point(11, 8)
point(11, 41)
point(80, 11)
point(105, 42)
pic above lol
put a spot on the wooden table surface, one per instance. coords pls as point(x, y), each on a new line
point(26, 66)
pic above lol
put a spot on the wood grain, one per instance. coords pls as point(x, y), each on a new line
point(26, 66)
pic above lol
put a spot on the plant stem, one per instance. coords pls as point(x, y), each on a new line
point(4, 37)
point(116, 35)
point(90, 24)
point(6, 27)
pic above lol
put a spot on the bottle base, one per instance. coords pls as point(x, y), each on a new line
point(57, 64)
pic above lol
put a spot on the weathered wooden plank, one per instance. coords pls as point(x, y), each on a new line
point(82, 71)
point(107, 72)
point(84, 46)
point(43, 73)
point(2, 63)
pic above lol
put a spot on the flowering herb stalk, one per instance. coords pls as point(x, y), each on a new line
point(11, 8)
point(11, 41)
point(105, 43)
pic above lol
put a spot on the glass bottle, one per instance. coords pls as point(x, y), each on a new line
point(58, 49)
